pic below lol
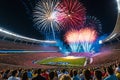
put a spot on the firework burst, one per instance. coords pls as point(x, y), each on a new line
point(93, 22)
point(44, 16)
point(86, 37)
point(81, 39)
point(70, 13)
point(72, 38)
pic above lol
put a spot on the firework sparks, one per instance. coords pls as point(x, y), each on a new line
point(86, 38)
point(44, 16)
point(70, 13)
point(81, 39)
point(93, 22)
point(71, 37)
point(87, 35)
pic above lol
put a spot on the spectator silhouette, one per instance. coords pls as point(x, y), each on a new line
point(39, 77)
point(87, 75)
point(98, 75)
point(111, 75)
point(14, 75)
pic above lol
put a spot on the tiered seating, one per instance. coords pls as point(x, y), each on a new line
point(26, 59)
point(106, 57)
point(6, 45)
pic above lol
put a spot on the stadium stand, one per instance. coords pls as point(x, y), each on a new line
point(105, 65)
point(26, 59)
point(7, 45)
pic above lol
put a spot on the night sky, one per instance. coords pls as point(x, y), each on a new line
point(16, 15)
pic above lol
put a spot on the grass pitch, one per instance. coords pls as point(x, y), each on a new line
point(63, 61)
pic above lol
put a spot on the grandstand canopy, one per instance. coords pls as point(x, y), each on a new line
point(116, 32)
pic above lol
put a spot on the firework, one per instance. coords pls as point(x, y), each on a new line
point(71, 37)
point(81, 39)
point(44, 16)
point(70, 13)
point(93, 22)
point(82, 35)
point(86, 37)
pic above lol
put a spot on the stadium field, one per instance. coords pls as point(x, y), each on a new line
point(65, 61)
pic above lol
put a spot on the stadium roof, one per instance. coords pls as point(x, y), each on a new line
point(12, 35)
point(116, 31)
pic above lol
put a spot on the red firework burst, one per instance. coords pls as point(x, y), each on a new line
point(70, 13)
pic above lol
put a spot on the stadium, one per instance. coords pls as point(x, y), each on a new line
point(71, 43)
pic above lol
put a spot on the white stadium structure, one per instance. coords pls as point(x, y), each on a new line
point(115, 35)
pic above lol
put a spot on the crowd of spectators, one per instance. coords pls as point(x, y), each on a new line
point(106, 57)
point(110, 72)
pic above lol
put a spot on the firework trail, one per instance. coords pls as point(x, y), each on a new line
point(86, 37)
point(92, 29)
point(72, 38)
